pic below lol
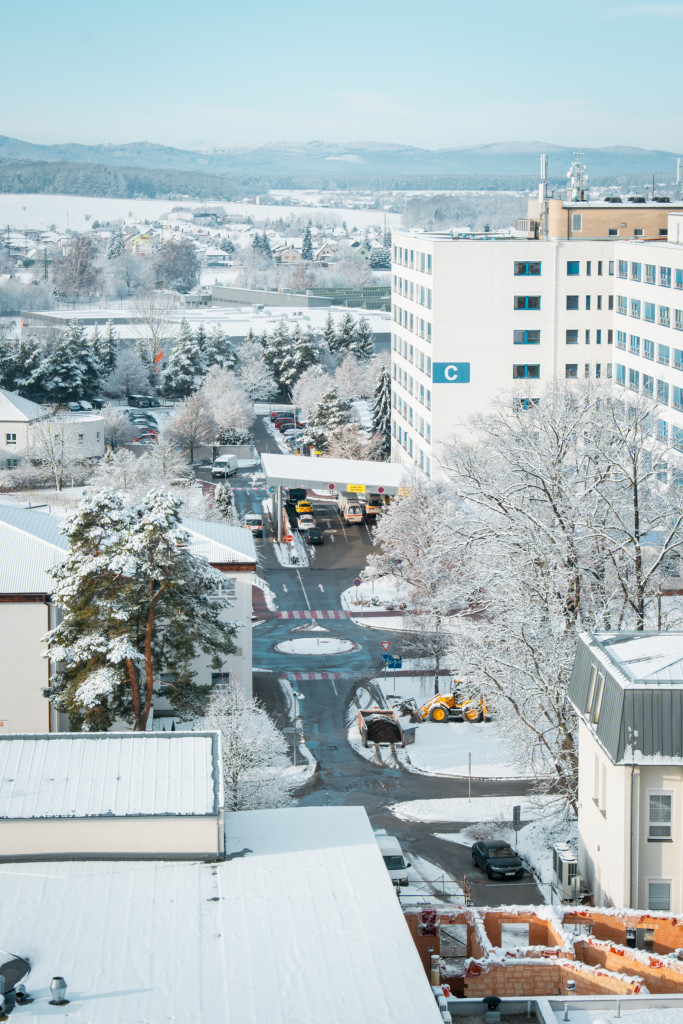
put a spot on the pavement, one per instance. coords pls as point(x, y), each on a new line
point(308, 603)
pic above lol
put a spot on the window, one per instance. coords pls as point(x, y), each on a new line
point(662, 392)
point(664, 316)
point(527, 301)
point(573, 268)
point(572, 302)
point(525, 403)
point(523, 370)
point(648, 348)
point(571, 337)
point(610, 266)
point(635, 272)
point(12, 463)
point(660, 810)
point(663, 352)
point(599, 268)
point(610, 302)
point(527, 268)
point(677, 437)
point(599, 301)
point(633, 379)
point(662, 430)
point(622, 305)
point(621, 374)
point(648, 385)
point(590, 695)
point(576, 222)
point(665, 277)
point(622, 268)
point(635, 308)
point(610, 336)
point(586, 369)
point(621, 340)
point(587, 337)
point(634, 346)
point(571, 370)
point(597, 370)
point(612, 231)
point(595, 715)
point(678, 359)
point(598, 337)
point(677, 398)
point(649, 312)
point(588, 268)
point(678, 319)
point(650, 273)
point(658, 894)
point(526, 337)
point(10, 438)
point(679, 279)
point(637, 232)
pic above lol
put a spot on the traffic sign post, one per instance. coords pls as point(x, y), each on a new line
point(394, 661)
point(385, 656)
point(386, 644)
point(289, 538)
point(356, 584)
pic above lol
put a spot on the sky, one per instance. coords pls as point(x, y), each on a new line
point(431, 73)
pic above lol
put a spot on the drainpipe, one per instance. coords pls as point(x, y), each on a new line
point(635, 833)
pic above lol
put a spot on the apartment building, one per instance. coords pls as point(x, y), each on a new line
point(474, 317)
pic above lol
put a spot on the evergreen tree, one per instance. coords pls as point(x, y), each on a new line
point(288, 366)
point(330, 334)
point(120, 631)
point(307, 244)
point(107, 347)
point(346, 334)
point(183, 369)
point(227, 246)
point(330, 413)
point(224, 502)
point(363, 343)
point(86, 358)
point(381, 410)
point(29, 379)
point(62, 372)
point(200, 340)
point(306, 351)
point(116, 246)
point(218, 349)
point(386, 241)
point(277, 351)
point(265, 246)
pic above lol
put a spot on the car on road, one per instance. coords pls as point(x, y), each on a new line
point(497, 859)
point(393, 857)
point(314, 535)
point(254, 522)
point(296, 494)
point(305, 522)
point(145, 439)
point(303, 507)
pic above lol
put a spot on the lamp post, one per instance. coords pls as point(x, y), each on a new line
point(297, 697)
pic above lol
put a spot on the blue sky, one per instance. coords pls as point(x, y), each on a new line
point(431, 73)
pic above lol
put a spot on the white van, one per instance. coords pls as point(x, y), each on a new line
point(391, 851)
point(225, 465)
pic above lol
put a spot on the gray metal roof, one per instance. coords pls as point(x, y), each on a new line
point(83, 775)
point(218, 542)
point(15, 409)
point(30, 543)
point(640, 716)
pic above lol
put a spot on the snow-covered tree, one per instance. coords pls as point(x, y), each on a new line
point(136, 603)
point(330, 334)
point(351, 378)
point(330, 413)
point(75, 272)
point(224, 502)
point(253, 374)
point(352, 442)
point(381, 410)
point(307, 244)
point(107, 347)
point(218, 349)
point(345, 337)
point(115, 247)
point(54, 445)
point(309, 389)
point(130, 376)
point(227, 401)
point(184, 366)
point(118, 428)
point(363, 343)
point(153, 319)
point(255, 763)
point(191, 425)
point(177, 265)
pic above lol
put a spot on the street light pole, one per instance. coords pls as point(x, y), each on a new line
point(297, 697)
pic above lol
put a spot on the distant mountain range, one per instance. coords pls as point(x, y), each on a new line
point(364, 158)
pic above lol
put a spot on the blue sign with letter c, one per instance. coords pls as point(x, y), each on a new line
point(450, 373)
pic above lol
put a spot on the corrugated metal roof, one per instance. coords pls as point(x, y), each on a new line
point(30, 543)
point(83, 775)
point(220, 543)
point(641, 714)
point(15, 409)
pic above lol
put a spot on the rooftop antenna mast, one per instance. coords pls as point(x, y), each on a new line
point(578, 180)
point(543, 198)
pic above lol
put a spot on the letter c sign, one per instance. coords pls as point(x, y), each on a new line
point(450, 373)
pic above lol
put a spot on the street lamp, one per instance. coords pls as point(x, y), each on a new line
point(297, 697)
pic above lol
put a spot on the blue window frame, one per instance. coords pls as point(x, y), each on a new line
point(571, 337)
point(678, 359)
point(634, 345)
point(662, 430)
point(679, 279)
point(622, 268)
point(648, 348)
point(650, 273)
point(633, 379)
point(522, 371)
point(665, 277)
point(527, 268)
point(677, 398)
point(663, 354)
point(663, 392)
point(649, 312)
point(526, 337)
point(622, 305)
point(635, 272)
point(527, 301)
point(664, 316)
point(621, 340)
point(635, 308)
point(648, 384)
point(573, 268)
point(621, 374)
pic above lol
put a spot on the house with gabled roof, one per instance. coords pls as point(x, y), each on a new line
point(627, 690)
point(16, 416)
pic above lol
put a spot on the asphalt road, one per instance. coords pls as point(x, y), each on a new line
point(344, 777)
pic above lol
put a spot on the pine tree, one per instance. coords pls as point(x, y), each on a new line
point(200, 340)
point(346, 334)
point(277, 351)
point(107, 347)
point(306, 351)
point(62, 372)
point(330, 334)
point(87, 359)
point(116, 246)
point(265, 246)
point(183, 369)
point(381, 410)
point(29, 368)
point(120, 631)
point(330, 413)
point(363, 343)
point(224, 502)
point(218, 349)
point(307, 244)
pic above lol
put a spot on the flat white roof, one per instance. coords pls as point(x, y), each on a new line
point(83, 775)
point(299, 925)
point(320, 473)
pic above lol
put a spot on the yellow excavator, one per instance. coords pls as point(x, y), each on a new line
point(445, 707)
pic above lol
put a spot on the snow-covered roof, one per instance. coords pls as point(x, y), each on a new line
point(219, 543)
point(292, 470)
point(15, 409)
point(82, 775)
point(30, 543)
point(300, 924)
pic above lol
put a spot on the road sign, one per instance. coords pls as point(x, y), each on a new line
point(403, 492)
point(289, 538)
point(395, 661)
point(272, 490)
point(380, 490)
point(355, 488)
point(386, 657)
point(517, 817)
point(330, 487)
point(356, 582)
point(386, 644)
point(450, 373)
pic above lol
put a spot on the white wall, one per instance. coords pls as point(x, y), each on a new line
point(23, 673)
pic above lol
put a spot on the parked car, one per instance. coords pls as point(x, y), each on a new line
point(146, 439)
point(306, 522)
point(73, 406)
point(303, 507)
point(291, 425)
point(314, 535)
point(497, 859)
point(224, 465)
point(392, 854)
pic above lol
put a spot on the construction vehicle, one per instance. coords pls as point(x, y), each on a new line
point(446, 707)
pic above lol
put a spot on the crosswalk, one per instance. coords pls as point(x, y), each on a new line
point(328, 613)
point(301, 677)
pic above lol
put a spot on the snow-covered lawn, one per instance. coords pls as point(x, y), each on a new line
point(317, 645)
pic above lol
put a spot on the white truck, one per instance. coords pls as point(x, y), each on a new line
point(391, 851)
point(350, 509)
point(224, 465)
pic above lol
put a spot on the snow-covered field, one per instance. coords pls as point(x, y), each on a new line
point(78, 212)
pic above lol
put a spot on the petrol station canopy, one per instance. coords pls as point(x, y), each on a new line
point(342, 475)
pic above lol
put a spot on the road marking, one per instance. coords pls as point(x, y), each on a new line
point(328, 613)
point(284, 587)
point(313, 676)
point(321, 588)
point(308, 603)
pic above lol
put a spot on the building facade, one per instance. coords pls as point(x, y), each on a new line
point(627, 690)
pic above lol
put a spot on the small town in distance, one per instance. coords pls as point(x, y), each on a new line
point(341, 527)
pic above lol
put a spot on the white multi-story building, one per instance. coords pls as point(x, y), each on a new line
point(474, 317)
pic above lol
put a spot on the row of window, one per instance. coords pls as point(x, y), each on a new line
point(414, 324)
point(406, 442)
point(421, 261)
point(413, 355)
point(646, 311)
point(573, 302)
point(648, 273)
point(665, 393)
point(413, 387)
point(571, 336)
point(415, 292)
point(571, 370)
point(666, 355)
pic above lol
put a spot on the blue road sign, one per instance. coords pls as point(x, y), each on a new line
point(387, 657)
point(394, 661)
point(450, 373)
point(272, 490)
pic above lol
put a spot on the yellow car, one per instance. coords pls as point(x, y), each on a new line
point(303, 506)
